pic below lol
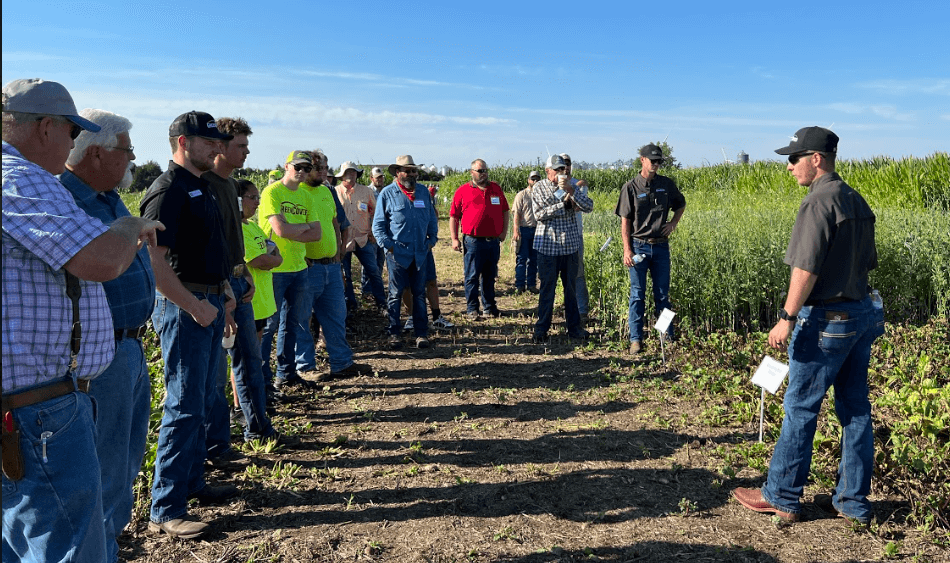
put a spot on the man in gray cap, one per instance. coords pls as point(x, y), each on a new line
point(644, 207)
point(192, 270)
point(54, 258)
point(832, 320)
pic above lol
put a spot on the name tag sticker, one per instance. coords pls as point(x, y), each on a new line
point(194, 193)
point(660, 190)
point(419, 204)
point(641, 195)
point(560, 193)
point(362, 206)
point(495, 200)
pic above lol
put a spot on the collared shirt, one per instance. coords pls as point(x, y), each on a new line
point(359, 205)
point(647, 204)
point(481, 212)
point(194, 228)
point(408, 228)
point(833, 237)
point(132, 294)
point(522, 208)
point(43, 228)
point(225, 191)
point(557, 233)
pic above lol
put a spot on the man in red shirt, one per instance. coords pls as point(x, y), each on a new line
point(481, 208)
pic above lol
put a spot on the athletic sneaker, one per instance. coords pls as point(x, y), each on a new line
point(409, 326)
point(442, 323)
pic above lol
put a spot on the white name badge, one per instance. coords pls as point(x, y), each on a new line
point(419, 204)
point(495, 200)
point(362, 206)
point(770, 374)
point(560, 193)
point(194, 193)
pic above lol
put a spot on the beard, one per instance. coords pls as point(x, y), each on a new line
point(126, 181)
point(410, 183)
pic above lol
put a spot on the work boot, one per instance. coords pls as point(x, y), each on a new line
point(179, 528)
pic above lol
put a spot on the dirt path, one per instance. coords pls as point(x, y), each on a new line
point(489, 448)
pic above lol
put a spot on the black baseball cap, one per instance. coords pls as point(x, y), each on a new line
point(652, 152)
point(806, 139)
point(197, 124)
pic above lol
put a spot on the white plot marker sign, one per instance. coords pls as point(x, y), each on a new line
point(663, 325)
point(769, 375)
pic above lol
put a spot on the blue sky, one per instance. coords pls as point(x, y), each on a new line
point(504, 81)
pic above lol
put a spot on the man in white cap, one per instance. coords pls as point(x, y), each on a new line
point(54, 258)
point(522, 238)
point(359, 205)
point(406, 227)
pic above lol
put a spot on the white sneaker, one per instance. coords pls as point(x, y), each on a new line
point(442, 323)
point(408, 326)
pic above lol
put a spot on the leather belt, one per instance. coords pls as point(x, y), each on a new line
point(651, 240)
point(136, 333)
point(482, 238)
point(40, 394)
point(324, 261)
point(826, 302)
point(214, 289)
point(239, 271)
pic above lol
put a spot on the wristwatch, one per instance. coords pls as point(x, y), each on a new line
point(783, 314)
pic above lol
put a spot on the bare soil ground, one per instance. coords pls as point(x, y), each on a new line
point(488, 448)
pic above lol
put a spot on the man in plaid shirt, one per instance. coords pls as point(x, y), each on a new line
point(557, 239)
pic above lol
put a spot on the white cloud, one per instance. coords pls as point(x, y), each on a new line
point(932, 86)
point(880, 110)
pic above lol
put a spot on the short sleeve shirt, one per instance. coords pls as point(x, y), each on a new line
point(194, 228)
point(323, 208)
point(255, 244)
point(647, 204)
point(295, 205)
point(482, 212)
point(833, 237)
point(225, 191)
point(359, 205)
point(42, 230)
point(522, 208)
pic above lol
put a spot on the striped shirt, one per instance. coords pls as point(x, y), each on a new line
point(558, 233)
point(42, 230)
point(131, 295)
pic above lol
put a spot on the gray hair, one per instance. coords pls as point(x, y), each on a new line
point(112, 125)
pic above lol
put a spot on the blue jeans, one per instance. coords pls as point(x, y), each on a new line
point(123, 395)
point(481, 269)
point(526, 262)
point(825, 353)
point(329, 307)
point(583, 298)
point(400, 279)
point(367, 257)
point(657, 262)
point(191, 353)
point(292, 295)
point(218, 419)
point(248, 370)
point(380, 265)
point(54, 513)
point(550, 268)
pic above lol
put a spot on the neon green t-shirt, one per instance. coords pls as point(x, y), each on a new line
point(296, 206)
point(324, 210)
point(255, 244)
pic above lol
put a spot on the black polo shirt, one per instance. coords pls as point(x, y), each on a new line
point(194, 228)
point(647, 204)
point(833, 237)
point(225, 191)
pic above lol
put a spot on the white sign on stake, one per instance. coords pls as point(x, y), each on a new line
point(770, 374)
point(663, 323)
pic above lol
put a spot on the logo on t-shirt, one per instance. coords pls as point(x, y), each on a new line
point(291, 208)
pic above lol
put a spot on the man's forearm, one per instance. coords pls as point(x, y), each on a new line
point(168, 283)
point(799, 288)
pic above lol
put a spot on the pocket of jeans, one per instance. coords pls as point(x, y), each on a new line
point(877, 322)
point(837, 336)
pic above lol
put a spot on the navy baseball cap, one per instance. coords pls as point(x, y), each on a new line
point(197, 124)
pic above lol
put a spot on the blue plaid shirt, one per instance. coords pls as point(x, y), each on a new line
point(131, 295)
point(558, 232)
point(42, 230)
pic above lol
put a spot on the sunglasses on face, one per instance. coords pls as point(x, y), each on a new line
point(74, 130)
point(303, 167)
point(480, 170)
point(793, 159)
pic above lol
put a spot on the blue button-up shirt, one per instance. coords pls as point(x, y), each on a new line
point(43, 228)
point(131, 295)
point(407, 228)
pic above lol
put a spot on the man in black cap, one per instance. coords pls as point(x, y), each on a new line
point(192, 268)
point(644, 208)
point(832, 321)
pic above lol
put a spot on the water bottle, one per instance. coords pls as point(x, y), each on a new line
point(228, 341)
point(876, 300)
point(638, 258)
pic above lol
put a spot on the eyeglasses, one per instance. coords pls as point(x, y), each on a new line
point(412, 171)
point(303, 167)
point(130, 149)
point(74, 130)
point(480, 170)
point(793, 159)
point(251, 196)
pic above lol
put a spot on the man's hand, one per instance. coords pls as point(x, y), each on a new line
point(668, 229)
point(251, 288)
point(205, 313)
point(780, 333)
point(147, 230)
point(456, 245)
point(230, 327)
point(628, 257)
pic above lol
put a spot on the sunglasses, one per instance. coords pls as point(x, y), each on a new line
point(303, 167)
point(74, 130)
point(480, 170)
point(793, 159)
